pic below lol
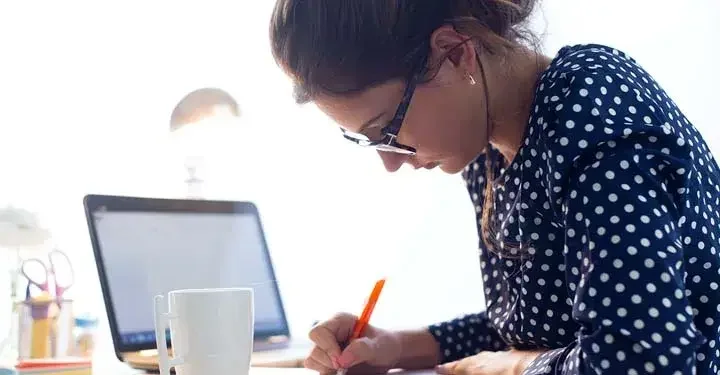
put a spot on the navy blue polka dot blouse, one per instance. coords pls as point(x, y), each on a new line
point(612, 204)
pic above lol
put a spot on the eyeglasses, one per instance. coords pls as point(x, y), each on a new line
point(386, 140)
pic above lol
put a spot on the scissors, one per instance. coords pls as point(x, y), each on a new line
point(60, 272)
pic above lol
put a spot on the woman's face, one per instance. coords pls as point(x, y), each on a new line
point(445, 121)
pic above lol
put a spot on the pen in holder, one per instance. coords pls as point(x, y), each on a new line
point(45, 327)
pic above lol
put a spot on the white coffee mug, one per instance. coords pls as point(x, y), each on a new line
point(211, 331)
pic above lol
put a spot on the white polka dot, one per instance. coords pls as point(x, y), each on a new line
point(670, 327)
point(610, 209)
point(649, 367)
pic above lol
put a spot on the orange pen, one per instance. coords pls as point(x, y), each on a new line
point(364, 318)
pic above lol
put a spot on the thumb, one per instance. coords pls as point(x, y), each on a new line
point(446, 368)
point(358, 351)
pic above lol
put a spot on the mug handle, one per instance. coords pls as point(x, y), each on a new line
point(161, 323)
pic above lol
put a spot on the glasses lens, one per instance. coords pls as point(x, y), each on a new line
point(382, 142)
point(394, 149)
point(369, 135)
point(356, 136)
point(360, 139)
point(35, 271)
point(62, 268)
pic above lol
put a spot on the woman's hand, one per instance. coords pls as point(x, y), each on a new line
point(376, 352)
point(512, 362)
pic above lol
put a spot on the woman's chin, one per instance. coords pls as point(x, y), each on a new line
point(449, 168)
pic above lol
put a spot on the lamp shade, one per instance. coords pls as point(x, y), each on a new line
point(200, 122)
point(20, 228)
point(202, 104)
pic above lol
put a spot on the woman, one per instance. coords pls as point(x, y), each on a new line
point(596, 198)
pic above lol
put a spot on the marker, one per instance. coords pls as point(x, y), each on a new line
point(364, 318)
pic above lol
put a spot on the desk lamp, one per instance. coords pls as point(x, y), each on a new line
point(196, 123)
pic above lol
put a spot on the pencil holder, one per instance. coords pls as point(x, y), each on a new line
point(45, 328)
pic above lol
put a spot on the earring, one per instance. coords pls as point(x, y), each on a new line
point(471, 79)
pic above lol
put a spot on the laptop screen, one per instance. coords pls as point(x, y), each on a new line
point(149, 253)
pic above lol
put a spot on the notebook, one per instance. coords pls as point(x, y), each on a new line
point(55, 366)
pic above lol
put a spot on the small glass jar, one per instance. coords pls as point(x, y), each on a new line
point(84, 334)
point(45, 327)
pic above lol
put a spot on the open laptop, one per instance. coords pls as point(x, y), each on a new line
point(149, 246)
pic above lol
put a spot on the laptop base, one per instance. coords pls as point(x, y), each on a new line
point(266, 355)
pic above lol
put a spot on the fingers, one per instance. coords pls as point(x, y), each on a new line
point(327, 336)
point(447, 368)
point(323, 358)
point(342, 325)
point(358, 351)
point(330, 333)
point(465, 366)
point(325, 339)
point(312, 364)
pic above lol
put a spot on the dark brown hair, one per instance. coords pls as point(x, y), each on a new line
point(341, 47)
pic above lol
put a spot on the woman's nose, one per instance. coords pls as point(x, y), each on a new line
point(392, 161)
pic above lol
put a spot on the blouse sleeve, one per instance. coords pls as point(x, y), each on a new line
point(623, 244)
point(466, 336)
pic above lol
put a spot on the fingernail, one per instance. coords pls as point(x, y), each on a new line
point(335, 364)
point(345, 360)
point(440, 369)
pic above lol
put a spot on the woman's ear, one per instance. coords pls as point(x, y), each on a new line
point(459, 49)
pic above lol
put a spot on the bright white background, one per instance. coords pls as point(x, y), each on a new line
point(86, 91)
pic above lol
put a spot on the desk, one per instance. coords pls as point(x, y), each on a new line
point(290, 357)
point(122, 369)
point(272, 362)
point(119, 368)
point(262, 365)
